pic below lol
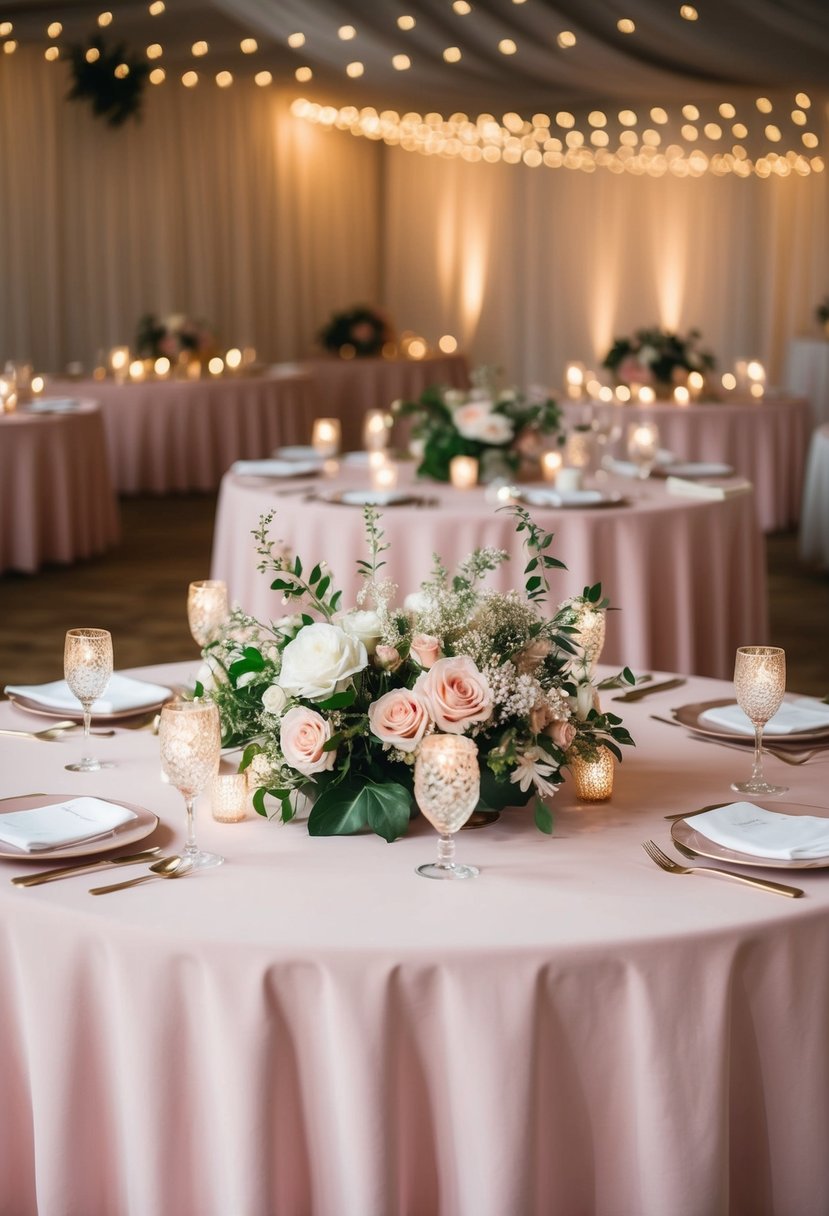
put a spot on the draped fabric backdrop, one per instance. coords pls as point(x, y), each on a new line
point(221, 205)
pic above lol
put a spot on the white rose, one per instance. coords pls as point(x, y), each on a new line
point(287, 624)
point(320, 661)
point(470, 418)
point(365, 626)
point(495, 429)
point(274, 699)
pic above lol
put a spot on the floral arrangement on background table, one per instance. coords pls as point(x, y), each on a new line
point(336, 703)
point(360, 330)
point(657, 357)
point(822, 313)
point(498, 428)
point(173, 336)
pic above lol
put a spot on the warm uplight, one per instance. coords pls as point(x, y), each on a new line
point(216, 366)
point(263, 78)
point(248, 46)
point(199, 48)
point(566, 39)
point(157, 76)
point(625, 26)
point(54, 29)
point(296, 40)
point(448, 344)
point(190, 79)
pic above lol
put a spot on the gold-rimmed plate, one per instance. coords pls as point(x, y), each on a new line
point(374, 498)
point(32, 706)
point(691, 716)
point(575, 500)
point(683, 832)
point(128, 833)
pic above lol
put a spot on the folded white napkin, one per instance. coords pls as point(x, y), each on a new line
point(698, 468)
point(561, 498)
point(276, 468)
point(804, 713)
point(49, 827)
point(699, 489)
point(751, 829)
point(122, 695)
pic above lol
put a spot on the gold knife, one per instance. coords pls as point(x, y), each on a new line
point(34, 880)
point(638, 693)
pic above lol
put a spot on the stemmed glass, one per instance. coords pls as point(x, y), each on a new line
point(447, 784)
point(207, 610)
point(87, 668)
point(191, 740)
point(643, 446)
point(759, 682)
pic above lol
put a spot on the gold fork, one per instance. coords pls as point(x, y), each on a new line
point(670, 866)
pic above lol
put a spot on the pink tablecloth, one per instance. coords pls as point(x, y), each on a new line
point(314, 1030)
point(56, 498)
point(688, 576)
point(346, 388)
point(814, 526)
point(168, 436)
point(765, 442)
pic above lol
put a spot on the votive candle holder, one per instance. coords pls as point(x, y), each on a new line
point(593, 777)
point(463, 472)
point(325, 436)
point(229, 797)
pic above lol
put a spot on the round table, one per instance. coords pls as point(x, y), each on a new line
point(807, 373)
point(314, 1029)
point(814, 525)
point(764, 441)
point(688, 575)
point(56, 498)
point(167, 436)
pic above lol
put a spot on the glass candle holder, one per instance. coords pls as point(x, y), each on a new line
point(574, 377)
point(550, 464)
point(377, 426)
point(325, 436)
point(119, 363)
point(646, 395)
point(696, 383)
point(463, 472)
point(137, 371)
point(207, 610)
point(384, 476)
point(229, 797)
point(643, 445)
point(592, 779)
point(681, 395)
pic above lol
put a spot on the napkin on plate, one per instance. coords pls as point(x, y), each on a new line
point(122, 695)
point(562, 498)
point(699, 489)
point(804, 713)
point(276, 468)
point(751, 829)
point(50, 827)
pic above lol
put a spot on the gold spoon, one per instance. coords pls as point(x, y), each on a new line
point(167, 867)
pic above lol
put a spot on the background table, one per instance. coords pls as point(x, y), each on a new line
point(814, 526)
point(688, 575)
point(807, 373)
point(56, 498)
point(346, 388)
point(765, 442)
point(166, 436)
point(314, 1030)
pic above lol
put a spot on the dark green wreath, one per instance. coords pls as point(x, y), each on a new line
point(114, 98)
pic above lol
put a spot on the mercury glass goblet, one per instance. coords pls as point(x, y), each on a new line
point(759, 682)
point(191, 739)
point(87, 669)
point(207, 610)
point(447, 786)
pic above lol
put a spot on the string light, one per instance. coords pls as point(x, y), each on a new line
point(158, 76)
point(296, 40)
point(263, 78)
point(199, 48)
point(54, 30)
point(507, 47)
point(625, 26)
point(303, 75)
point(355, 69)
point(190, 80)
point(122, 71)
point(346, 32)
point(688, 13)
point(155, 50)
point(405, 22)
point(248, 46)
point(462, 8)
point(224, 79)
point(157, 8)
point(51, 53)
point(92, 55)
point(6, 28)
point(452, 54)
point(104, 19)
point(566, 39)
point(9, 47)
point(401, 63)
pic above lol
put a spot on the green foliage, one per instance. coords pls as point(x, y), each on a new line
point(351, 806)
point(113, 98)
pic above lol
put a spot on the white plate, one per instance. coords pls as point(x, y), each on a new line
point(697, 468)
point(278, 468)
point(570, 500)
point(127, 833)
point(143, 703)
point(374, 498)
point(683, 831)
point(297, 451)
point(692, 717)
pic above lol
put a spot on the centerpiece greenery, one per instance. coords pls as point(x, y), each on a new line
point(359, 331)
point(498, 428)
point(822, 312)
point(335, 704)
point(658, 357)
point(173, 336)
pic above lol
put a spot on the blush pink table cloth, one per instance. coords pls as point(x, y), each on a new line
point(346, 388)
point(173, 436)
point(57, 503)
point(765, 442)
point(315, 1030)
point(688, 575)
point(813, 542)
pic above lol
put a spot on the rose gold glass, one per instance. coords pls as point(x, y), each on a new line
point(207, 610)
point(191, 739)
point(447, 785)
point(759, 682)
point(87, 669)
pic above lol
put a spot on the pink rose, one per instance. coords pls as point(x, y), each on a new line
point(425, 649)
point(399, 717)
point(456, 693)
point(387, 657)
point(302, 733)
point(561, 733)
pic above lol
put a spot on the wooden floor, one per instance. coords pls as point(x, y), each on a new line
point(138, 592)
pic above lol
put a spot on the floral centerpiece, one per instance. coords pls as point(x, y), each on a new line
point(657, 357)
point(357, 331)
point(336, 704)
point(497, 428)
point(173, 336)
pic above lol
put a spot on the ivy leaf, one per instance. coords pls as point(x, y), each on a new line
point(259, 801)
point(543, 817)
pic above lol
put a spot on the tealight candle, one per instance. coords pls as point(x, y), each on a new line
point(463, 472)
point(757, 391)
point(229, 797)
point(325, 436)
point(376, 460)
point(681, 395)
point(384, 477)
point(729, 382)
point(696, 383)
point(233, 359)
point(119, 361)
point(646, 395)
point(38, 385)
point(376, 427)
point(574, 374)
point(622, 393)
point(550, 464)
point(216, 366)
point(161, 367)
point(137, 371)
point(642, 445)
point(568, 479)
point(593, 779)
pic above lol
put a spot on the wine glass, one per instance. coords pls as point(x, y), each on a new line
point(87, 668)
point(191, 741)
point(643, 446)
point(207, 610)
point(759, 682)
point(447, 786)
